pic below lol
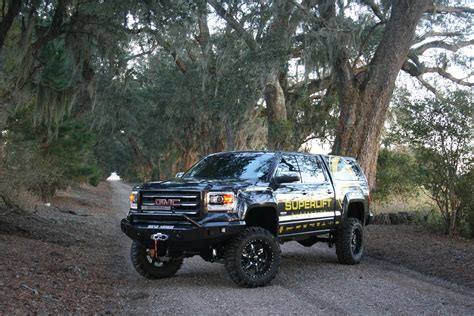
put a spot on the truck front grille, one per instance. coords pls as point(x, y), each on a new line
point(171, 202)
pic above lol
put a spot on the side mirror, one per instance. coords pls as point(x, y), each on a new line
point(287, 177)
point(179, 175)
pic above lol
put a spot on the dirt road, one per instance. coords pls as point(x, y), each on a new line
point(310, 281)
point(72, 258)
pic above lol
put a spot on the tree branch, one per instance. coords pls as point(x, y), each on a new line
point(434, 8)
point(438, 34)
point(311, 86)
point(447, 75)
point(428, 86)
point(236, 26)
point(54, 28)
point(171, 50)
point(418, 70)
point(443, 45)
point(375, 9)
point(364, 43)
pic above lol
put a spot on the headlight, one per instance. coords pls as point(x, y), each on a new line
point(221, 201)
point(133, 200)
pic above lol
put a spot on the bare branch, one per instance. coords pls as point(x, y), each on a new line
point(428, 86)
point(438, 34)
point(434, 8)
point(180, 63)
point(447, 75)
point(443, 45)
point(312, 86)
point(376, 9)
point(418, 70)
point(307, 13)
point(142, 53)
point(246, 36)
point(364, 43)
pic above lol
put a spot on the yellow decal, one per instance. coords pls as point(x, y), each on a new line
point(307, 205)
point(285, 229)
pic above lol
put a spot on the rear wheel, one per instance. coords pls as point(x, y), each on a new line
point(350, 241)
point(252, 258)
point(153, 268)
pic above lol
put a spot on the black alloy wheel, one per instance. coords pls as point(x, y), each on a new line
point(256, 258)
point(356, 241)
point(252, 258)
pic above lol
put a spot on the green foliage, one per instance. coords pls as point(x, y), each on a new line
point(439, 133)
point(397, 174)
point(281, 131)
point(464, 189)
point(33, 163)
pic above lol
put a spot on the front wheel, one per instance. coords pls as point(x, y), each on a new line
point(252, 258)
point(350, 241)
point(152, 268)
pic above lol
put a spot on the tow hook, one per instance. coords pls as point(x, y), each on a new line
point(157, 238)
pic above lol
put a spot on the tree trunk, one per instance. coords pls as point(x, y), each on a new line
point(5, 25)
point(277, 44)
point(143, 162)
point(279, 129)
point(364, 99)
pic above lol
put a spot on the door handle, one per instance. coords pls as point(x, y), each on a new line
point(304, 192)
point(329, 191)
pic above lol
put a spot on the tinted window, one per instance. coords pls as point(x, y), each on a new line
point(287, 164)
point(344, 169)
point(238, 166)
point(311, 169)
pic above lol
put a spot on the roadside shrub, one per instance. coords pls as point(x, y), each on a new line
point(438, 131)
point(31, 161)
point(396, 175)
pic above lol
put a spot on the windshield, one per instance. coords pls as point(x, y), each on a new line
point(232, 166)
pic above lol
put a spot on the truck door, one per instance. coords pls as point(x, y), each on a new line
point(320, 197)
point(287, 194)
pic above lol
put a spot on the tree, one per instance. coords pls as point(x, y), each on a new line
point(356, 59)
point(439, 131)
point(194, 93)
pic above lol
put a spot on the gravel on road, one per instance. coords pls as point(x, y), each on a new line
point(88, 269)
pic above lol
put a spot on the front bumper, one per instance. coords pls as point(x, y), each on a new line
point(183, 237)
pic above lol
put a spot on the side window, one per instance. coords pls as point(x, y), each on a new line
point(344, 169)
point(356, 169)
point(311, 169)
point(287, 164)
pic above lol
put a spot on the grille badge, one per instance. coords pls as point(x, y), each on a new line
point(168, 202)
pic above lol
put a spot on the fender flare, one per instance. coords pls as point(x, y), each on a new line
point(354, 197)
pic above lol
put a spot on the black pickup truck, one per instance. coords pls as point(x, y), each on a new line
point(237, 207)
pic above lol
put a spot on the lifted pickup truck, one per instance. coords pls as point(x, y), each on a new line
point(237, 207)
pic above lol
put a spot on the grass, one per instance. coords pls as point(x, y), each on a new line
point(422, 210)
point(413, 203)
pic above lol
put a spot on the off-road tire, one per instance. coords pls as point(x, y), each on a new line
point(234, 257)
point(345, 250)
point(145, 268)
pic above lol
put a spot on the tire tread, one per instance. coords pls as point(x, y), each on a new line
point(343, 246)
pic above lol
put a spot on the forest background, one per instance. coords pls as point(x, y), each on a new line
point(146, 88)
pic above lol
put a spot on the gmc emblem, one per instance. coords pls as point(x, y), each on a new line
point(167, 202)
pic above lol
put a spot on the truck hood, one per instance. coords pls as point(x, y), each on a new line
point(200, 185)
